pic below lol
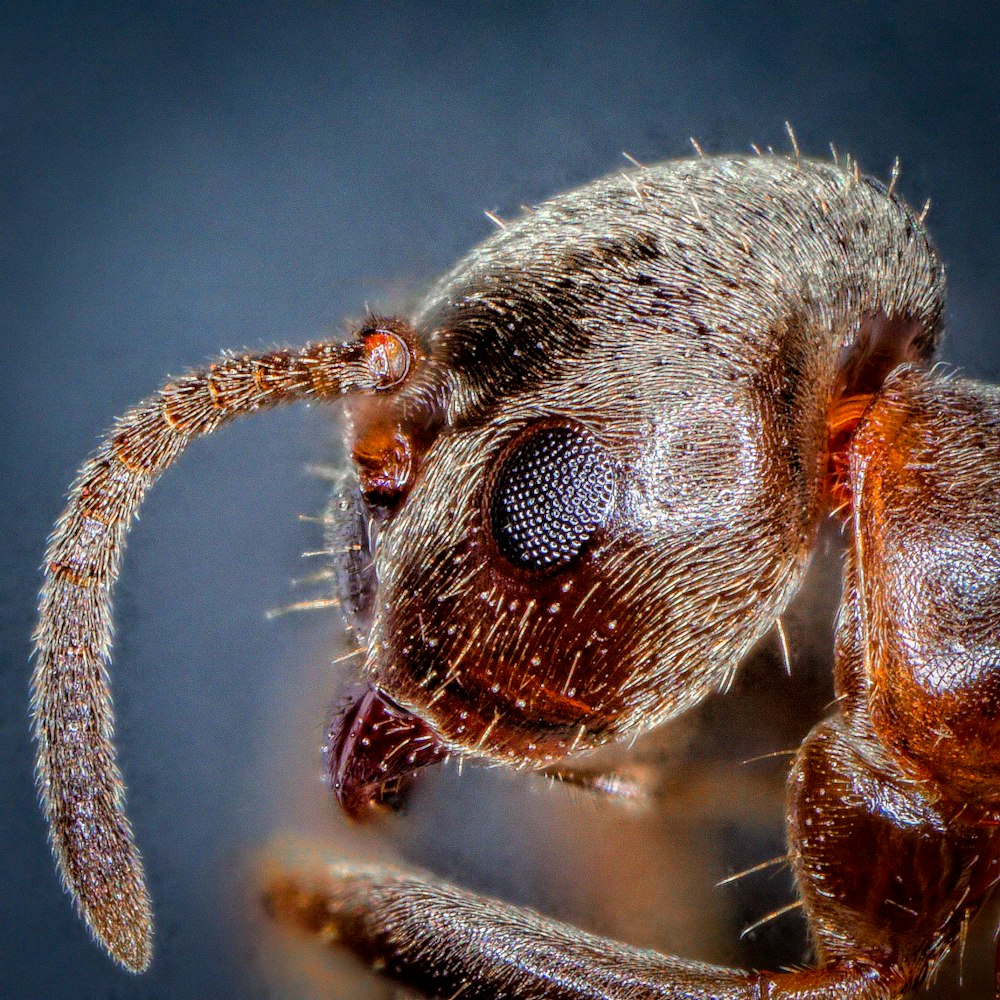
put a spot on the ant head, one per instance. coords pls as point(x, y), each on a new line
point(595, 517)
point(601, 484)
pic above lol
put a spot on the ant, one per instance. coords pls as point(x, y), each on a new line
point(589, 472)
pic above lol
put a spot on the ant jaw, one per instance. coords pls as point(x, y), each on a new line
point(373, 746)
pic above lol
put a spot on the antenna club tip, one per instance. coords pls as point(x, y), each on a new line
point(125, 932)
point(131, 947)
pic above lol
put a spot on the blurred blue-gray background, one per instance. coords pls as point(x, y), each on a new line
point(178, 178)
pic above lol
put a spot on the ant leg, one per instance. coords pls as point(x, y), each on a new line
point(78, 778)
point(448, 942)
point(705, 792)
point(625, 785)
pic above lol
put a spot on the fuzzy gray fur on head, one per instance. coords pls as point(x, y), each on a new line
point(698, 318)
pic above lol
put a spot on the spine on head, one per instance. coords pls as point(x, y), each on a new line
point(78, 779)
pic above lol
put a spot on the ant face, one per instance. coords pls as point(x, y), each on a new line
point(580, 494)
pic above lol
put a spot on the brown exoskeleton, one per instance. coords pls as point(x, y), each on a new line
point(590, 472)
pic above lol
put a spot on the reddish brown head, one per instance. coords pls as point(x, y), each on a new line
point(601, 484)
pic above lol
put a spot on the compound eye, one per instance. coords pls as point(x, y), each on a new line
point(554, 489)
